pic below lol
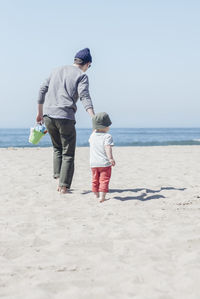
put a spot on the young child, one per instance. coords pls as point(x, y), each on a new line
point(101, 158)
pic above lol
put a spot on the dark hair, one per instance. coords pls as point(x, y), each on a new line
point(79, 61)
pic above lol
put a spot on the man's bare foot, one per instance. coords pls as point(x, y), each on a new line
point(58, 188)
point(63, 190)
point(96, 194)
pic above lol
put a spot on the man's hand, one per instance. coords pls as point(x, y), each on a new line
point(91, 112)
point(39, 118)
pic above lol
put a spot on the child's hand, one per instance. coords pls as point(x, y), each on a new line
point(112, 161)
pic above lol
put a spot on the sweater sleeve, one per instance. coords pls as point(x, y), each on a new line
point(43, 90)
point(83, 92)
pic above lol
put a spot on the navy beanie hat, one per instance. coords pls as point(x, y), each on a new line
point(84, 55)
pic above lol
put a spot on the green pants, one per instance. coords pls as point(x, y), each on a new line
point(63, 137)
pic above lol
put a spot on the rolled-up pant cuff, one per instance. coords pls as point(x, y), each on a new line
point(64, 185)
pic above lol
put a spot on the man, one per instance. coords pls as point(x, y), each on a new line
point(60, 93)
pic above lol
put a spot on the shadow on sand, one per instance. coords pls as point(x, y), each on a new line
point(147, 194)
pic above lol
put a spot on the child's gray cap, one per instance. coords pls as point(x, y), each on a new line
point(101, 120)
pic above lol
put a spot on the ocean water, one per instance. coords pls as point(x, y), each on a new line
point(121, 136)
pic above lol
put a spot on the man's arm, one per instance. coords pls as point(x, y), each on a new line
point(41, 98)
point(84, 95)
point(39, 117)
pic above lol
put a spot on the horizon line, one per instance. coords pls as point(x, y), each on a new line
point(112, 127)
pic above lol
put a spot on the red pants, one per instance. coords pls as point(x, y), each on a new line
point(101, 178)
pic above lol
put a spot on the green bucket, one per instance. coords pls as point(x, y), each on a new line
point(35, 136)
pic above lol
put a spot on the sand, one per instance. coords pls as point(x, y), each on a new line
point(144, 242)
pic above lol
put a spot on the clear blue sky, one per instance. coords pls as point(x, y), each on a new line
point(146, 58)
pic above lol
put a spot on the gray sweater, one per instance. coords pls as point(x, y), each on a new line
point(60, 92)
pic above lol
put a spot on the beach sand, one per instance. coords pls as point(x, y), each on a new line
point(144, 242)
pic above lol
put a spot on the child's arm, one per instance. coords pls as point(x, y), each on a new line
point(108, 149)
